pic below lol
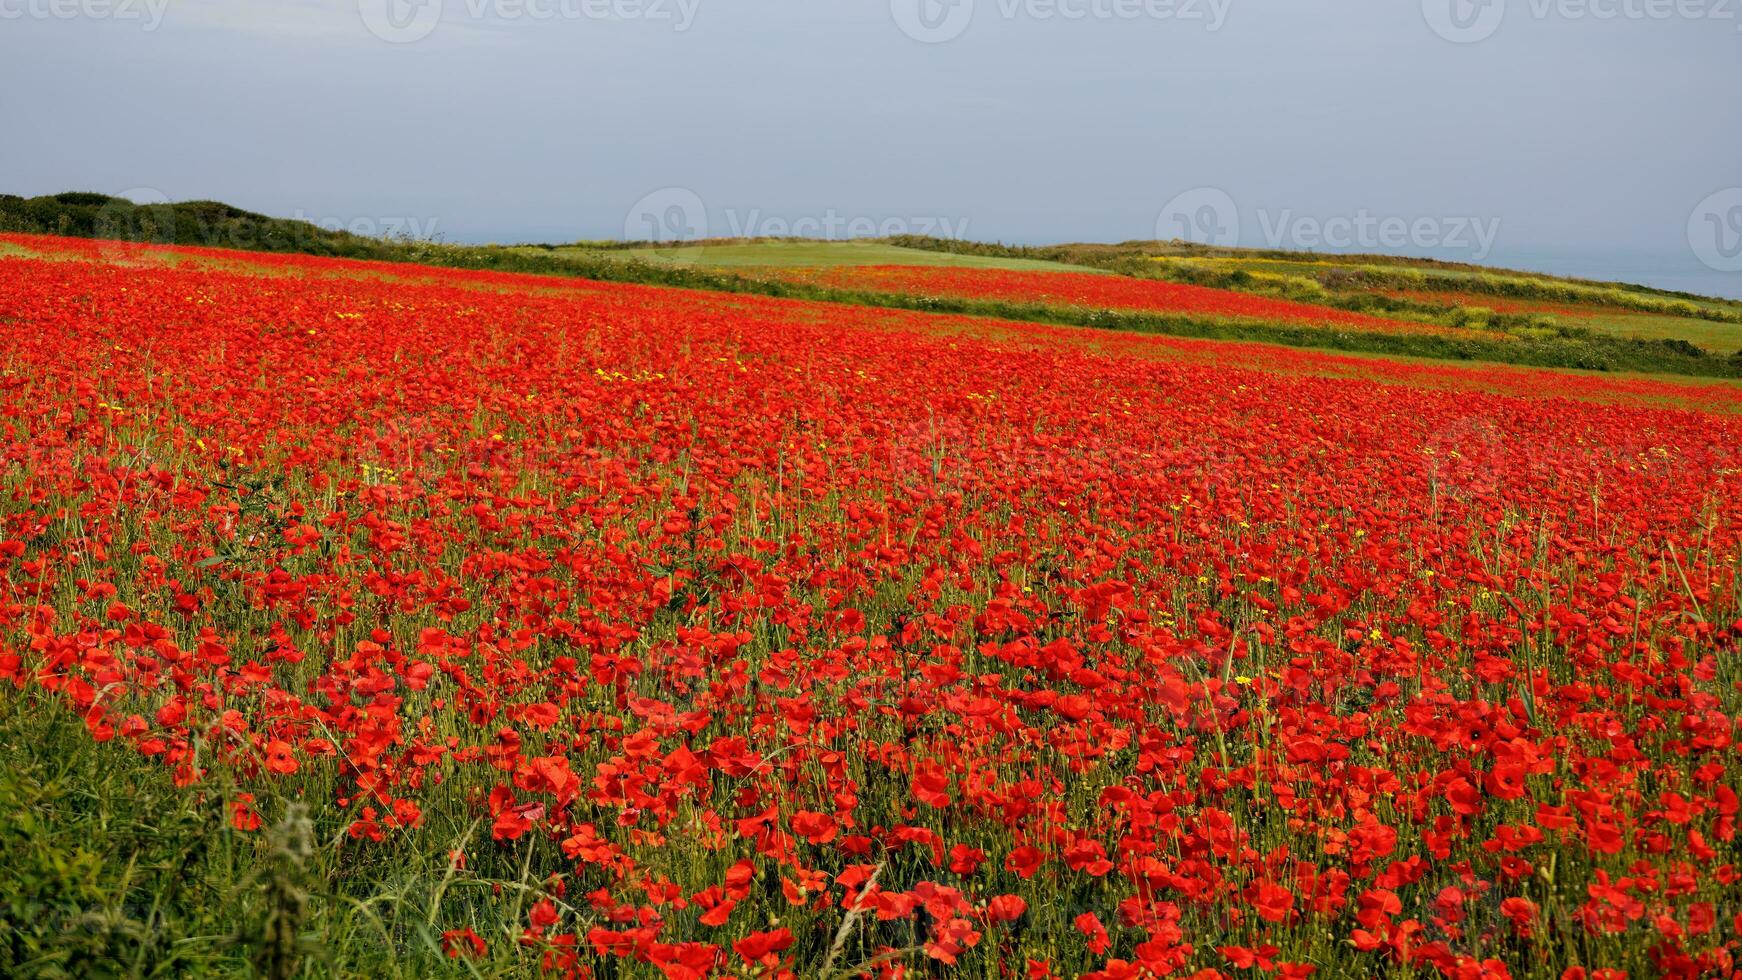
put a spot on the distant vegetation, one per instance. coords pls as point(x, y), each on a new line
point(204, 223)
point(787, 253)
point(1335, 268)
point(1369, 284)
point(1351, 283)
point(1331, 281)
point(1321, 277)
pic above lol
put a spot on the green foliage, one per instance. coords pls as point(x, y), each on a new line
point(788, 253)
point(1350, 277)
point(95, 855)
point(108, 870)
point(204, 223)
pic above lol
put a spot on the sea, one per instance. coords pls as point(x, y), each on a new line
point(1679, 270)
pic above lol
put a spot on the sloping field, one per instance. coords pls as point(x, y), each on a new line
point(1096, 292)
point(809, 254)
point(490, 624)
point(1607, 308)
point(1721, 337)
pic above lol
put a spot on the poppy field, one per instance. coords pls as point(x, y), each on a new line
point(1099, 292)
point(517, 626)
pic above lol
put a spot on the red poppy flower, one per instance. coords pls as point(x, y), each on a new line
point(818, 828)
point(1272, 902)
point(1006, 908)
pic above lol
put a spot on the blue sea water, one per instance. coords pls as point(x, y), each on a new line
point(1679, 270)
point(1674, 269)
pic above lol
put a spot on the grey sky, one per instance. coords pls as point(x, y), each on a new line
point(1562, 130)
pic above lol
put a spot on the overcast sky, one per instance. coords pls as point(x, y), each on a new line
point(1446, 127)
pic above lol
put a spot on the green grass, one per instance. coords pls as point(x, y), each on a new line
point(108, 869)
point(808, 255)
point(1306, 267)
point(1721, 338)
